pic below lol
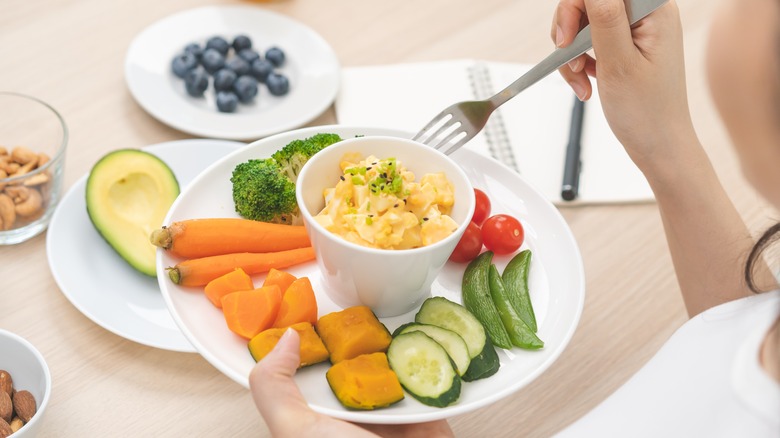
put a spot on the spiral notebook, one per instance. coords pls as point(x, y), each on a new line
point(529, 133)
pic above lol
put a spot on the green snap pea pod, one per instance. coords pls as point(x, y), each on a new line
point(519, 333)
point(515, 279)
point(477, 299)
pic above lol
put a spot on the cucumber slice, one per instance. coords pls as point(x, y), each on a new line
point(424, 369)
point(452, 342)
point(446, 314)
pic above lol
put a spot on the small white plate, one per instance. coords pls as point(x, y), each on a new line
point(311, 66)
point(557, 285)
point(97, 281)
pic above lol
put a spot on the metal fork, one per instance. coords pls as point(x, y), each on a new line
point(460, 122)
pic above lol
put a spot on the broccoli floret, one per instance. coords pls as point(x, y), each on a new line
point(295, 154)
point(264, 189)
point(261, 192)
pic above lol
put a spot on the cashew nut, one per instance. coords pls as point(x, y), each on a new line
point(31, 205)
point(3, 150)
point(22, 155)
point(36, 180)
point(3, 175)
point(19, 194)
point(7, 212)
point(43, 159)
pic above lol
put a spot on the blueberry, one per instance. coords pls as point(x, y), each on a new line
point(183, 63)
point(275, 55)
point(277, 84)
point(261, 68)
point(219, 44)
point(248, 55)
point(224, 79)
point(227, 101)
point(245, 88)
point(238, 65)
point(212, 60)
point(241, 42)
point(196, 82)
point(195, 49)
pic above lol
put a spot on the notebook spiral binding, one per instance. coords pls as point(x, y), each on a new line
point(496, 135)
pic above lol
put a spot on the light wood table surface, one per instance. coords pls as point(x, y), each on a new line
point(70, 53)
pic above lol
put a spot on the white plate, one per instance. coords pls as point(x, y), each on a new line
point(97, 281)
point(311, 66)
point(557, 285)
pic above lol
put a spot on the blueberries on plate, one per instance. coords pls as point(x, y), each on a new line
point(261, 68)
point(277, 84)
point(219, 44)
point(227, 101)
point(275, 55)
point(183, 63)
point(224, 79)
point(241, 42)
point(196, 82)
point(238, 65)
point(235, 67)
point(245, 88)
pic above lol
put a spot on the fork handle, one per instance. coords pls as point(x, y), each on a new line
point(636, 10)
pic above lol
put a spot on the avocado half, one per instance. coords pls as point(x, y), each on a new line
point(129, 192)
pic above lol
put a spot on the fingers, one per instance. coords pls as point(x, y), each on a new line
point(609, 27)
point(578, 81)
point(568, 19)
point(274, 391)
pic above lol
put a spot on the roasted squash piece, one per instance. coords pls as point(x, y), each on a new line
point(351, 332)
point(365, 382)
point(312, 349)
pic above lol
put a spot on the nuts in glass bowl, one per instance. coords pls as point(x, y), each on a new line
point(24, 186)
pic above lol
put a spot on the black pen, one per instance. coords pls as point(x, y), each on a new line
point(571, 169)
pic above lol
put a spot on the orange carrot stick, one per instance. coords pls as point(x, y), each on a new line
point(195, 238)
point(298, 304)
point(249, 312)
point(234, 281)
point(280, 278)
point(198, 272)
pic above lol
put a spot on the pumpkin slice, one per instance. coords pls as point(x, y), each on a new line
point(312, 349)
point(351, 332)
point(365, 382)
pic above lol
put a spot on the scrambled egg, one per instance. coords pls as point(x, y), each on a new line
point(377, 203)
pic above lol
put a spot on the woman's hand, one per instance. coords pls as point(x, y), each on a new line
point(287, 415)
point(640, 73)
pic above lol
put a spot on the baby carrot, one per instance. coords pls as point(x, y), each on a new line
point(234, 281)
point(280, 278)
point(195, 238)
point(200, 271)
point(249, 312)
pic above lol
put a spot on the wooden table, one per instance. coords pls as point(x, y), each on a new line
point(71, 54)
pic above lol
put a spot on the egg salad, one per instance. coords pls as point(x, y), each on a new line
point(377, 203)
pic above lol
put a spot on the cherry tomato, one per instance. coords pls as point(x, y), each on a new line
point(469, 246)
point(502, 234)
point(482, 208)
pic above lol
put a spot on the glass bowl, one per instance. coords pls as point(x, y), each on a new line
point(33, 139)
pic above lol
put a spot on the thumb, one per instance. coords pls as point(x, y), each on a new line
point(610, 30)
point(274, 391)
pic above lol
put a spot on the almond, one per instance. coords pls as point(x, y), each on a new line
point(6, 382)
point(5, 429)
point(6, 408)
point(24, 405)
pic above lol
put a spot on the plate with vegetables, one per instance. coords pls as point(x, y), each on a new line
point(473, 322)
point(234, 72)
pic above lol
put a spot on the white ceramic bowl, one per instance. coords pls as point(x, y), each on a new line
point(29, 372)
point(391, 282)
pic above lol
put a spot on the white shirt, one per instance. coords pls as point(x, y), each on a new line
point(706, 381)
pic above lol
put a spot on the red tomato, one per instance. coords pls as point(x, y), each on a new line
point(502, 234)
point(469, 246)
point(482, 209)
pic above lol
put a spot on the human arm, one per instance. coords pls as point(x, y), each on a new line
point(641, 79)
point(287, 414)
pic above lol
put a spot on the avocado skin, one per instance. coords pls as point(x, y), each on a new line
point(119, 167)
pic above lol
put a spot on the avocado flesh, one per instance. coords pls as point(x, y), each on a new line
point(129, 192)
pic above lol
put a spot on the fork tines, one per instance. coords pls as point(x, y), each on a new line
point(442, 133)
